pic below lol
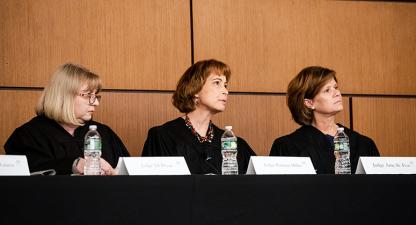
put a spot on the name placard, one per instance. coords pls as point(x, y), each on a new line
point(386, 165)
point(152, 166)
point(280, 165)
point(14, 165)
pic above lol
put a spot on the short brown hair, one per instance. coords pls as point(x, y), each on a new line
point(193, 80)
point(306, 85)
point(57, 100)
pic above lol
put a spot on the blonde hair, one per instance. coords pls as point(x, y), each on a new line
point(193, 80)
point(57, 99)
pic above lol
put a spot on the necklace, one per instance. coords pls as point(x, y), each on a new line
point(210, 133)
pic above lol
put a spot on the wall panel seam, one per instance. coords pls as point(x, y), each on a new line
point(230, 92)
point(192, 31)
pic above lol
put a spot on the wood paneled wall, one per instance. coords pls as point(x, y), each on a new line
point(369, 44)
point(391, 122)
point(132, 44)
point(141, 47)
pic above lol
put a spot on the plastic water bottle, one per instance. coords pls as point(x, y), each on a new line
point(92, 151)
point(342, 152)
point(229, 152)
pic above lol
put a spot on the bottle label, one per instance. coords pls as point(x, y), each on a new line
point(228, 145)
point(92, 144)
point(341, 146)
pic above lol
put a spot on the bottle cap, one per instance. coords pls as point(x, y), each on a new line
point(93, 127)
point(228, 127)
point(340, 128)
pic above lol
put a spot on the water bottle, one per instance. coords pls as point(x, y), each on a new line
point(342, 152)
point(229, 152)
point(92, 151)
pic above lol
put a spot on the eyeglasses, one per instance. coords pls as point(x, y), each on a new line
point(91, 97)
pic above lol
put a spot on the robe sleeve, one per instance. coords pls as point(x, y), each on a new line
point(112, 146)
point(117, 144)
point(244, 154)
point(38, 152)
point(157, 143)
point(373, 149)
point(280, 147)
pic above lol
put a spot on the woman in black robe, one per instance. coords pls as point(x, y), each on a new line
point(200, 94)
point(314, 100)
point(54, 138)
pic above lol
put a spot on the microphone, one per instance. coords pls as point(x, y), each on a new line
point(207, 160)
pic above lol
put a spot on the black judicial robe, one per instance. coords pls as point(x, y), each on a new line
point(175, 139)
point(47, 145)
point(308, 141)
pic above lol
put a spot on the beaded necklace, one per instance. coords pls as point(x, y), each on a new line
point(210, 133)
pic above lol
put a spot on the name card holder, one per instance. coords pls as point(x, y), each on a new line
point(14, 165)
point(386, 165)
point(152, 166)
point(280, 165)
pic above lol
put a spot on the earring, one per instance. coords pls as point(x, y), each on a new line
point(313, 108)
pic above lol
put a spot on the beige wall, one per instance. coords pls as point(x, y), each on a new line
point(141, 47)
